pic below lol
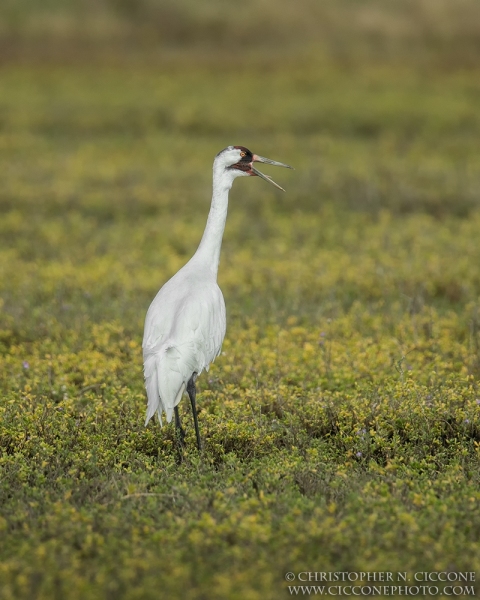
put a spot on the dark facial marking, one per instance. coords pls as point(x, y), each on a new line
point(245, 161)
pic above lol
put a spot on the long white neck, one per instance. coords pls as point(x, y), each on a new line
point(208, 252)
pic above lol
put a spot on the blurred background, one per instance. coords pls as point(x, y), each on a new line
point(111, 112)
point(345, 32)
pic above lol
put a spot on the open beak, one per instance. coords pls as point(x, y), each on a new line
point(267, 161)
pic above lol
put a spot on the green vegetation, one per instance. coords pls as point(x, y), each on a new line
point(342, 422)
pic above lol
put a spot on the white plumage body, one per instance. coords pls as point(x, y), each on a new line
point(184, 331)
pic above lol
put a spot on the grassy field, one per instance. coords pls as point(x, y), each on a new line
point(342, 421)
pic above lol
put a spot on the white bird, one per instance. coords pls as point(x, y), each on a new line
point(185, 324)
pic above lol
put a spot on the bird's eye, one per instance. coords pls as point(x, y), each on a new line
point(242, 154)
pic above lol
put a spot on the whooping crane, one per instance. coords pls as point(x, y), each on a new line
point(185, 324)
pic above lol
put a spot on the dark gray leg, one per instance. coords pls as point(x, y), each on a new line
point(192, 393)
point(179, 428)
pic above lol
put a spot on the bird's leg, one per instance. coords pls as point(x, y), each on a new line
point(192, 393)
point(178, 427)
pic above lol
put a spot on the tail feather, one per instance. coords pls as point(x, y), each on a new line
point(169, 409)
point(151, 385)
point(164, 383)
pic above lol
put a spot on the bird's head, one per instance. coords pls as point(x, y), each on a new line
point(236, 161)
